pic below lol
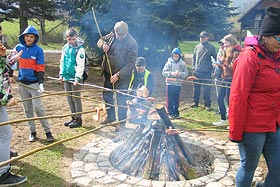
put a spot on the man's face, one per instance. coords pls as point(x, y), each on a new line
point(203, 39)
point(71, 40)
point(140, 69)
point(29, 39)
point(120, 37)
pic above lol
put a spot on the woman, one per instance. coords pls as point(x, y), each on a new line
point(254, 112)
point(231, 51)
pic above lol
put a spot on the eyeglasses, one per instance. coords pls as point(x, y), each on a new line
point(276, 38)
point(202, 36)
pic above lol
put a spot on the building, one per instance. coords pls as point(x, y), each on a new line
point(252, 19)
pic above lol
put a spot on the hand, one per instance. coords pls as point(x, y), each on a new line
point(176, 74)
point(12, 102)
point(12, 80)
point(191, 78)
point(14, 56)
point(2, 50)
point(41, 87)
point(76, 83)
point(105, 47)
point(114, 78)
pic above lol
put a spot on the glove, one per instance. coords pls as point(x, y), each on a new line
point(41, 87)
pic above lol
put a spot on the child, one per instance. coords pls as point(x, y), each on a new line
point(72, 63)
point(175, 71)
point(31, 76)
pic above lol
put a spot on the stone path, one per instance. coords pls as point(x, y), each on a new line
point(91, 166)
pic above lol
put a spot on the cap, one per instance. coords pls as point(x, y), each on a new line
point(270, 25)
point(204, 34)
point(140, 61)
point(121, 27)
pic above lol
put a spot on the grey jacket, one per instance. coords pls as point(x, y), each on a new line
point(202, 57)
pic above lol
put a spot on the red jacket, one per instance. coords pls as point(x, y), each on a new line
point(255, 93)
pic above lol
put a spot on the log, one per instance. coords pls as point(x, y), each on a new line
point(163, 115)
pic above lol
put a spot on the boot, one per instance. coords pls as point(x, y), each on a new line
point(67, 123)
point(77, 123)
point(32, 137)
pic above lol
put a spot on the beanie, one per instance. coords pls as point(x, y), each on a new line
point(271, 22)
point(140, 61)
point(121, 27)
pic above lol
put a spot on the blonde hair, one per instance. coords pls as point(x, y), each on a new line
point(70, 32)
point(230, 38)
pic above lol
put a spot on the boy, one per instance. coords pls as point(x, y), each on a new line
point(72, 64)
point(31, 76)
point(175, 71)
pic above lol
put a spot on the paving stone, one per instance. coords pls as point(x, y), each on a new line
point(214, 184)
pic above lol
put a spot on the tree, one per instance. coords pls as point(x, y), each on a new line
point(25, 10)
point(159, 25)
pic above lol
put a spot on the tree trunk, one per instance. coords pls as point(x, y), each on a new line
point(23, 20)
point(43, 29)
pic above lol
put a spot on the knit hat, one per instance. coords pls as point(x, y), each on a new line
point(121, 27)
point(271, 24)
point(140, 61)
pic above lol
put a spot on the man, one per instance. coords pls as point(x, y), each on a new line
point(202, 65)
point(142, 85)
point(122, 50)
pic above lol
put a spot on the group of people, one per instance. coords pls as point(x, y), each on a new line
point(253, 76)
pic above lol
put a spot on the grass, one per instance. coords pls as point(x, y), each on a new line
point(187, 47)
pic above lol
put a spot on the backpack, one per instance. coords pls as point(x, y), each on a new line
point(86, 67)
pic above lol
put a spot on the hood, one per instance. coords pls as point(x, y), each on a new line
point(29, 30)
point(80, 42)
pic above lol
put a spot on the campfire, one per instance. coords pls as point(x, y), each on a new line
point(156, 152)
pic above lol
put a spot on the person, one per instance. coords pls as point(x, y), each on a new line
point(175, 71)
point(6, 99)
point(141, 85)
point(3, 38)
point(122, 50)
point(254, 110)
point(232, 50)
point(202, 65)
point(31, 77)
point(72, 64)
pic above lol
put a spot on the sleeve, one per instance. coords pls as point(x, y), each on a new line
point(40, 63)
point(166, 71)
point(80, 59)
point(150, 84)
point(245, 71)
point(194, 57)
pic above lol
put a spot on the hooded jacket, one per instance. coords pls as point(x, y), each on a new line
point(32, 62)
point(255, 92)
point(72, 61)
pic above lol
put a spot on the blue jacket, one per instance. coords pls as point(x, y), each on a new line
point(32, 62)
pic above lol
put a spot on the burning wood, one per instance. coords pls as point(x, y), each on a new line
point(155, 152)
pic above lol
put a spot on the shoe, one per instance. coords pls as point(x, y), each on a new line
point(193, 105)
point(260, 184)
point(118, 128)
point(207, 108)
point(176, 117)
point(77, 123)
point(13, 154)
point(219, 123)
point(106, 121)
point(9, 179)
point(67, 123)
point(32, 137)
point(49, 137)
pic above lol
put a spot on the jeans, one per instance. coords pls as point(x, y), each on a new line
point(172, 99)
point(205, 79)
point(250, 150)
point(223, 93)
point(5, 139)
point(74, 102)
point(108, 97)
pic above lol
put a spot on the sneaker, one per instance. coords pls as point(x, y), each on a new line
point(207, 108)
point(49, 137)
point(9, 179)
point(77, 123)
point(193, 105)
point(67, 123)
point(260, 184)
point(13, 154)
point(106, 121)
point(219, 123)
point(32, 137)
point(176, 117)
